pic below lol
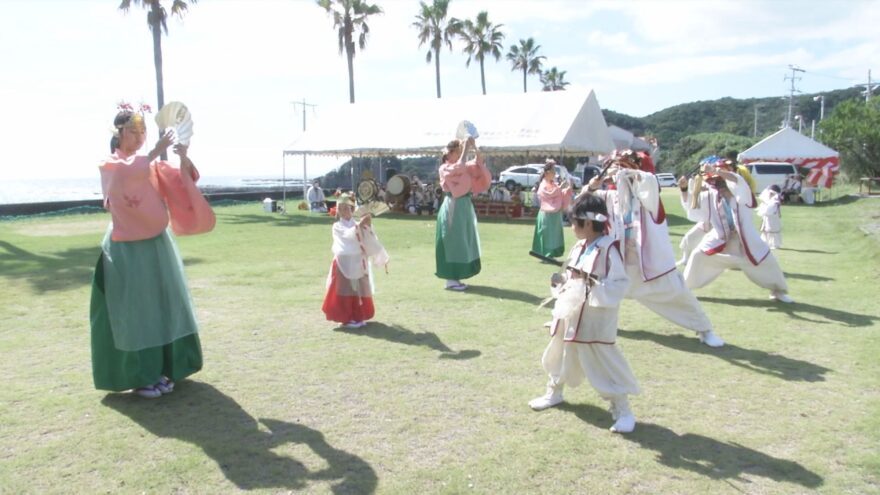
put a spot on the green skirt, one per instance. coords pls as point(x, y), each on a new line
point(549, 239)
point(457, 241)
point(117, 370)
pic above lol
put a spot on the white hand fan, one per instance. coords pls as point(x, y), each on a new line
point(465, 130)
point(175, 115)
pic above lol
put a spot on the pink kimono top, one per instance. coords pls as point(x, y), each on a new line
point(142, 197)
point(553, 198)
point(459, 179)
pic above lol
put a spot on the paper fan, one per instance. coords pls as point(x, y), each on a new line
point(175, 115)
point(466, 129)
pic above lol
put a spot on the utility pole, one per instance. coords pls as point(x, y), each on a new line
point(821, 99)
point(755, 131)
point(791, 93)
point(302, 104)
point(869, 88)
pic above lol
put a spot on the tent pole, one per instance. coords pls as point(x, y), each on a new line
point(284, 181)
point(305, 178)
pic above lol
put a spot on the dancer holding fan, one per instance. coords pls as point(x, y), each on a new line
point(144, 331)
point(457, 240)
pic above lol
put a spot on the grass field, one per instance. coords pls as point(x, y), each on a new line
point(431, 396)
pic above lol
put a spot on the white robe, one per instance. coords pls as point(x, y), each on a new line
point(584, 329)
point(352, 248)
point(727, 247)
point(650, 260)
point(770, 211)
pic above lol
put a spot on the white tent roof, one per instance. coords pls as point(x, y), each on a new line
point(547, 122)
point(786, 144)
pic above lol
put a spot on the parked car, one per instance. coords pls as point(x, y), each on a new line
point(528, 175)
point(666, 179)
point(770, 173)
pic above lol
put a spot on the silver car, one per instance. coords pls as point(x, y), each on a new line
point(528, 175)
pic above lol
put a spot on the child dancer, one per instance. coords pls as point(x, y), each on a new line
point(548, 239)
point(584, 330)
point(349, 298)
point(143, 329)
point(770, 212)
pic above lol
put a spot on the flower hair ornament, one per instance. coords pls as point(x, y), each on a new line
point(137, 116)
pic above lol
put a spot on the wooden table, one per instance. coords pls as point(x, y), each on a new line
point(865, 183)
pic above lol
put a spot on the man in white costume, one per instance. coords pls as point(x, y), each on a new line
point(315, 197)
point(638, 222)
point(584, 329)
point(725, 208)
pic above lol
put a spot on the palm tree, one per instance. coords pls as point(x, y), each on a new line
point(481, 38)
point(156, 16)
point(432, 25)
point(350, 16)
point(553, 80)
point(525, 57)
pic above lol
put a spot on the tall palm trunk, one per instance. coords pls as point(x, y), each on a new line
point(349, 53)
point(156, 28)
point(525, 72)
point(350, 77)
point(483, 76)
point(437, 69)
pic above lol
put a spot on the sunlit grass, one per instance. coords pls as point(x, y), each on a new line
point(431, 396)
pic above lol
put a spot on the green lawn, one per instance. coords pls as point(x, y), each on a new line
point(431, 396)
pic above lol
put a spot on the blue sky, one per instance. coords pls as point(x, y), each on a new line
point(238, 65)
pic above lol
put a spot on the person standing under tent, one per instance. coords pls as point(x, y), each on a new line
point(638, 222)
point(457, 242)
point(349, 297)
point(548, 239)
point(315, 197)
point(732, 241)
point(144, 334)
point(583, 334)
point(770, 212)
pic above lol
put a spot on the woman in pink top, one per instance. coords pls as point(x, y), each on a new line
point(549, 239)
point(457, 240)
point(144, 332)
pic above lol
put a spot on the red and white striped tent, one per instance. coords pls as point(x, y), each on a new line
point(788, 145)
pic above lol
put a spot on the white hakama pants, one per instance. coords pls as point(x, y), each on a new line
point(702, 268)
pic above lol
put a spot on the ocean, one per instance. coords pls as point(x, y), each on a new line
point(17, 191)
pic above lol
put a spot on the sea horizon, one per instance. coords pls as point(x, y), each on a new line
point(22, 191)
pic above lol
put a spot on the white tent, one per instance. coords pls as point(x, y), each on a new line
point(559, 122)
point(788, 145)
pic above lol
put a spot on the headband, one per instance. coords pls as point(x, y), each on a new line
point(591, 215)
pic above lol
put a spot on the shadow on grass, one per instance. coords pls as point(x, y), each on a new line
point(841, 200)
point(702, 455)
point(202, 415)
point(276, 219)
point(812, 251)
point(750, 359)
point(798, 309)
point(59, 271)
point(504, 294)
point(63, 270)
point(401, 335)
point(807, 276)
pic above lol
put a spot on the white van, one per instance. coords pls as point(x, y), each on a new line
point(769, 173)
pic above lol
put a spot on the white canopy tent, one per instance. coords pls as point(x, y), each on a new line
point(559, 122)
point(568, 122)
point(788, 145)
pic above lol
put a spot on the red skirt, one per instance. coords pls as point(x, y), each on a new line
point(347, 301)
